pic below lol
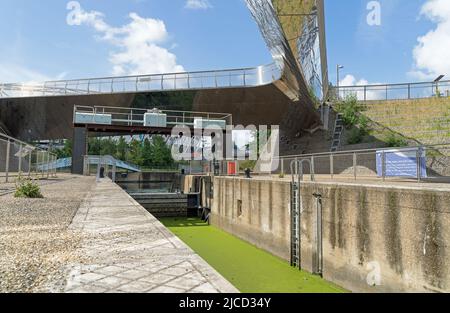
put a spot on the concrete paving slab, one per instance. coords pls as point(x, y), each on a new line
point(130, 251)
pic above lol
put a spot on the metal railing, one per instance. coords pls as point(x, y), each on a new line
point(135, 117)
point(19, 159)
point(421, 163)
point(404, 91)
point(231, 78)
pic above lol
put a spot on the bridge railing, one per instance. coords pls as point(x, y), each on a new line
point(20, 159)
point(421, 163)
point(231, 78)
point(405, 91)
point(136, 117)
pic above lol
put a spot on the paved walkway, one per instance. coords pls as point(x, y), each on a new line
point(129, 250)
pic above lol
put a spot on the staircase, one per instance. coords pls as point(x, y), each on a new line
point(337, 134)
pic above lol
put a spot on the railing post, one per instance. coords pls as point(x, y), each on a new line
point(29, 163)
point(313, 169)
point(8, 148)
point(419, 166)
point(48, 164)
point(332, 165)
point(365, 93)
point(383, 165)
point(409, 91)
point(355, 164)
point(20, 159)
point(245, 79)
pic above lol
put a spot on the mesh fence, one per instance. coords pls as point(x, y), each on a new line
point(19, 159)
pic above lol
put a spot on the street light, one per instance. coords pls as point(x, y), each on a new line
point(338, 68)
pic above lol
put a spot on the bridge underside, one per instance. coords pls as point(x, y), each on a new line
point(50, 118)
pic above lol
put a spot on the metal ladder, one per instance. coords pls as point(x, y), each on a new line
point(297, 208)
point(338, 129)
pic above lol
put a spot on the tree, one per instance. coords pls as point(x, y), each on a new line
point(122, 148)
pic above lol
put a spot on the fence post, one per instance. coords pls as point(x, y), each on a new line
point(419, 167)
point(332, 165)
point(29, 163)
point(48, 165)
point(409, 91)
point(383, 165)
point(355, 164)
point(8, 147)
point(20, 160)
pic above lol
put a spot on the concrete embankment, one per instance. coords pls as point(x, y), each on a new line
point(375, 238)
point(129, 250)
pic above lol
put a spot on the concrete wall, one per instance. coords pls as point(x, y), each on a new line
point(402, 233)
point(254, 210)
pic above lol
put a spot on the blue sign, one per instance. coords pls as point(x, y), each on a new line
point(402, 163)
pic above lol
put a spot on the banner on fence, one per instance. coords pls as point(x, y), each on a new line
point(402, 163)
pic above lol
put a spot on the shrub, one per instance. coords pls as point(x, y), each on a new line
point(28, 189)
point(350, 110)
point(395, 141)
point(355, 136)
point(282, 175)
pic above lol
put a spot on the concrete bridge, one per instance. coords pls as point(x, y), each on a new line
point(277, 94)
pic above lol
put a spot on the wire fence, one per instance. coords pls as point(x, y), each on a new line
point(22, 160)
point(422, 163)
point(405, 91)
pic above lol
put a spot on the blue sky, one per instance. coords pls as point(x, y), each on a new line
point(118, 37)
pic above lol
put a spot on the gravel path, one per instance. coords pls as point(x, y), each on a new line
point(35, 242)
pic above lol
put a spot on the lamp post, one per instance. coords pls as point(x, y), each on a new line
point(338, 68)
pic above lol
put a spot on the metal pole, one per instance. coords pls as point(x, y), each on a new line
point(355, 164)
point(8, 148)
point(332, 165)
point(20, 160)
point(29, 164)
point(383, 165)
point(419, 167)
point(48, 165)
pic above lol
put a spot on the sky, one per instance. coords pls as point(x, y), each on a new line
point(385, 41)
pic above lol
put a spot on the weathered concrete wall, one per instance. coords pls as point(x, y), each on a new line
point(402, 232)
point(257, 211)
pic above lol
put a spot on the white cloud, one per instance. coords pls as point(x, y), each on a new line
point(432, 53)
point(371, 93)
point(198, 4)
point(13, 73)
point(138, 43)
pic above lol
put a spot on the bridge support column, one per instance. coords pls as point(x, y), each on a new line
point(79, 149)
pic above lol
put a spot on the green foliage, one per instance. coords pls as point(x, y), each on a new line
point(282, 175)
point(355, 136)
point(396, 141)
point(351, 111)
point(151, 153)
point(28, 189)
point(65, 152)
point(247, 164)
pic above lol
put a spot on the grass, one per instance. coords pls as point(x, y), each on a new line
point(249, 269)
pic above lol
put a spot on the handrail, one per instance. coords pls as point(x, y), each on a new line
point(411, 148)
point(395, 91)
point(197, 80)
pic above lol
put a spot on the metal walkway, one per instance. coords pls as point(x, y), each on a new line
point(232, 78)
